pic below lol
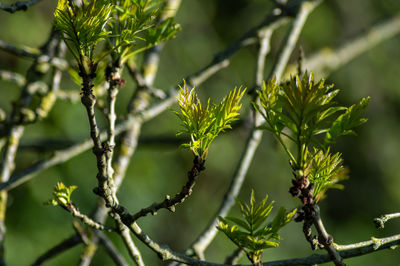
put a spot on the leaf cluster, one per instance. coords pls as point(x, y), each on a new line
point(325, 170)
point(204, 124)
point(83, 26)
point(61, 195)
point(136, 21)
point(122, 23)
point(304, 112)
point(251, 234)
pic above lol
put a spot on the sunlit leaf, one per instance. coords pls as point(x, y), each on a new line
point(256, 236)
point(205, 123)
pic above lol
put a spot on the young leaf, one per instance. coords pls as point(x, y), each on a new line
point(255, 237)
point(307, 110)
point(325, 171)
point(204, 124)
point(82, 27)
point(61, 195)
point(344, 124)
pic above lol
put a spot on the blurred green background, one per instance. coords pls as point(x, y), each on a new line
point(208, 27)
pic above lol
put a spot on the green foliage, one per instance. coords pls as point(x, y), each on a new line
point(135, 21)
point(61, 195)
point(122, 23)
point(83, 26)
point(344, 123)
point(304, 112)
point(251, 234)
point(164, 31)
point(204, 124)
point(325, 170)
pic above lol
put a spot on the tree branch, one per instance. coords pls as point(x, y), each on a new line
point(208, 234)
point(17, 6)
point(380, 222)
point(347, 251)
point(12, 77)
point(85, 219)
point(328, 60)
point(325, 239)
point(13, 130)
point(111, 249)
point(59, 248)
point(19, 51)
point(168, 203)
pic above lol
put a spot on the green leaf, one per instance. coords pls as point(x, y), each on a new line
point(256, 237)
point(239, 222)
point(304, 111)
point(325, 171)
point(83, 27)
point(205, 123)
point(344, 124)
point(61, 195)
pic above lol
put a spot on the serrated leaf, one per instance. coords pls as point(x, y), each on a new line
point(204, 124)
point(344, 124)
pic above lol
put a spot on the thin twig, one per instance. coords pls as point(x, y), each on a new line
point(265, 45)
point(126, 237)
point(328, 60)
point(347, 251)
point(111, 249)
point(105, 182)
point(59, 248)
point(48, 100)
point(380, 222)
point(18, 6)
point(19, 51)
point(12, 77)
point(376, 243)
point(271, 22)
point(170, 203)
point(86, 219)
point(325, 239)
point(163, 252)
point(113, 76)
point(367, 247)
point(291, 40)
point(114, 82)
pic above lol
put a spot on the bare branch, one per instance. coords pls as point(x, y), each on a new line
point(12, 77)
point(265, 45)
point(111, 249)
point(328, 60)
point(291, 39)
point(325, 239)
point(170, 203)
point(347, 251)
point(18, 6)
point(20, 51)
point(380, 222)
point(139, 102)
point(126, 237)
point(14, 131)
point(59, 248)
point(85, 219)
